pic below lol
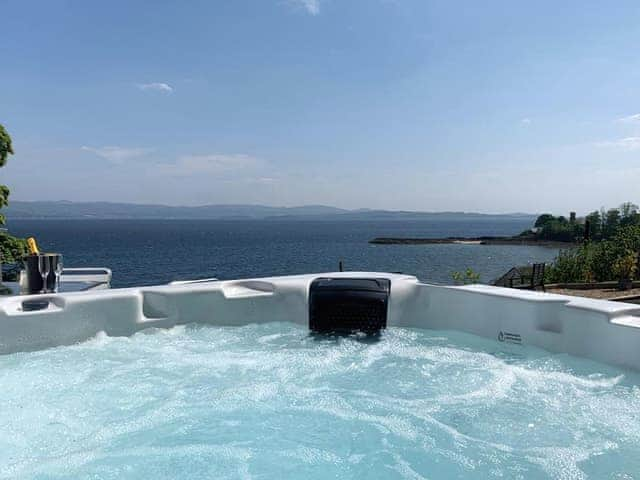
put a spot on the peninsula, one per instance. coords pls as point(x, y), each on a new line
point(547, 231)
point(488, 240)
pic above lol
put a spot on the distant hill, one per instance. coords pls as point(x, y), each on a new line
point(110, 210)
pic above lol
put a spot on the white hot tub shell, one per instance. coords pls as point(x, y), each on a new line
point(600, 330)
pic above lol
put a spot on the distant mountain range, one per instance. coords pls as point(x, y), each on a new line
point(110, 210)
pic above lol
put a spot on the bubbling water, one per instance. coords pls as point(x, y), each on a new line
point(272, 401)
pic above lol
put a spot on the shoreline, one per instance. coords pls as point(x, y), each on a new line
point(470, 241)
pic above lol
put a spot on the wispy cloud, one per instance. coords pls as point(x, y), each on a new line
point(262, 180)
point(635, 118)
point(214, 164)
point(525, 121)
point(627, 144)
point(117, 154)
point(310, 6)
point(155, 87)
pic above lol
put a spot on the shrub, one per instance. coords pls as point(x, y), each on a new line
point(469, 276)
point(602, 260)
point(561, 230)
point(12, 249)
point(572, 265)
point(625, 267)
point(599, 261)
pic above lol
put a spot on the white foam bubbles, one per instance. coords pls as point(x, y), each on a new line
point(260, 400)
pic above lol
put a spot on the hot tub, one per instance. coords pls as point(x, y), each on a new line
point(227, 380)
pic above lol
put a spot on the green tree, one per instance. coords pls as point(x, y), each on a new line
point(6, 149)
point(559, 229)
point(629, 214)
point(543, 219)
point(628, 209)
point(611, 223)
point(595, 225)
point(11, 249)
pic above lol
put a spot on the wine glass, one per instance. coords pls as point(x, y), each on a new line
point(44, 266)
point(58, 271)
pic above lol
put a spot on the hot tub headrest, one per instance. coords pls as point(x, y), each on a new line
point(345, 305)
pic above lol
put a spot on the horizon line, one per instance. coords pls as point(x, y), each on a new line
point(262, 205)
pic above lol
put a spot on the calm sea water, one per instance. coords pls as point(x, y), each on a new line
point(147, 252)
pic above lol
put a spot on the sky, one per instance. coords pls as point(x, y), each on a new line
point(493, 106)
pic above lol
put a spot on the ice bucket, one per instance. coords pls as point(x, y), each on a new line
point(33, 276)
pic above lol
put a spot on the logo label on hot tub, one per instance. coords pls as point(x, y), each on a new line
point(509, 337)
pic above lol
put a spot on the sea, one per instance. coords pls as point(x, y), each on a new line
point(152, 252)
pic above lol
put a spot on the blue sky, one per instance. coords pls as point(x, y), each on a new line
point(400, 104)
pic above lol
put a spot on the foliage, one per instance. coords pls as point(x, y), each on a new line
point(628, 214)
point(594, 221)
point(598, 261)
point(543, 219)
point(12, 249)
point(4, 194)
point(561, 230)
point(625, 267)
point(597, 225)
point(571, 265)
point(466, 277)
point(557, 229)
point(611, 223)
point(606, 223)
point(6, 149)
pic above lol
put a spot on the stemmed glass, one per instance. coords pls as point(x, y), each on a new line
point(58, 271)
point(44, 266)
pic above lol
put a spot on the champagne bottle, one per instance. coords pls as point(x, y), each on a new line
point(33, 246)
